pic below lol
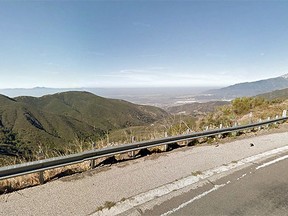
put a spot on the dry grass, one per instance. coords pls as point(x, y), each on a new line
point(228, 117)
point(271, 110)
point(25, 181)
point(20, 182)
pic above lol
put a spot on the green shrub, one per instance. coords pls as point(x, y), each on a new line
point(246, 104)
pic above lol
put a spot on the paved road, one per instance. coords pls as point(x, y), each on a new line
point(261, 189)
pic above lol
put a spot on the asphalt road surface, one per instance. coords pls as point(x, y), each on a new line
point(261, 189)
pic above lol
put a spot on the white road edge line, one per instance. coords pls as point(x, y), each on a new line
point(147, 196)
point(216, 187)
point(272, 162)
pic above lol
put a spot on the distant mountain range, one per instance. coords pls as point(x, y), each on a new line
point(165, 97)
point(246, 89)
point(41, 91)
point(58, 120)
point(160, 97)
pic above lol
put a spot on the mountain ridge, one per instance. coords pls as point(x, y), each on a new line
point(281, 94)
point(60, 119)
point(247, 89)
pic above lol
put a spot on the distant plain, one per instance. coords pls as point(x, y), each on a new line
point(160, 97)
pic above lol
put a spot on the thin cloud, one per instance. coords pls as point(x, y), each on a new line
point(134, 71)
point(150, 70)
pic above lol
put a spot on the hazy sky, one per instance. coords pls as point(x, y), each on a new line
point(141, 43)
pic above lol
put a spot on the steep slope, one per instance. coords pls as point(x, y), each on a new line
point(278, 94)
point(57, 120)
point(247, 89)
point(196, 108)
point(97, 111)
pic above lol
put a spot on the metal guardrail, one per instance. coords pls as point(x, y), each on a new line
point(41, 165)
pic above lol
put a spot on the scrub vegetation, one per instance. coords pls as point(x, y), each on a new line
point(65, 123)
point(71, 122)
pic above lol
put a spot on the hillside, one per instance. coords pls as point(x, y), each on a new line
point(274, 95)
point(244, 111)
point(246, 89)
point(196, 108)
point(96, 111)
point(56, 121)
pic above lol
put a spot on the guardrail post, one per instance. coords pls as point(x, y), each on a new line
point(235, 132)
point(93, 161)
point(276, 117)
point(207, 128)
point(268, 119)
point(220, 127)
point(41, 177)
point(260, 120)
point(165, 146)
point(132, 141)
point(92, 164)
point(284, 114)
